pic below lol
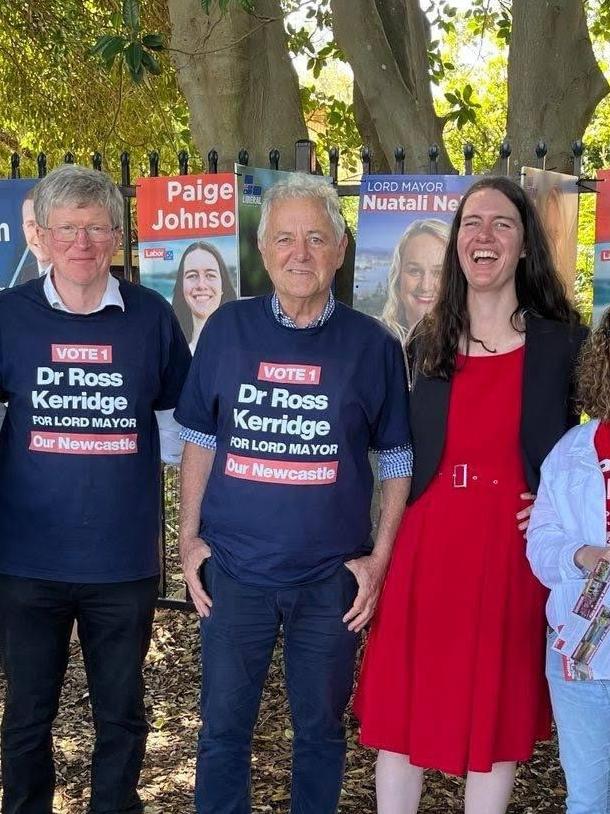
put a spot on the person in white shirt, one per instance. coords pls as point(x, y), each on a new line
point(568, 535)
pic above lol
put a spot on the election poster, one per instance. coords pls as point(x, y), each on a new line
point(403, 228)
point(601, 278)
point(21, 256)
point(252, 183)
point(187, 244)
point(555, 196)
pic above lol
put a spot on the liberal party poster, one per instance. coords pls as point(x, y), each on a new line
point(403, 228)
point(252, 183)
point(556, 198)
point(187, 242)
point(601, 278)
point(21, 257)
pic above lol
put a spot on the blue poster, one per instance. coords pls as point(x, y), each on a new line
point(252, 183)
point(403, 228)
point(18, 263)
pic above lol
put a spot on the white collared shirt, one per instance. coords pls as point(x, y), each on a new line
point(111, 295)
point(169, 430)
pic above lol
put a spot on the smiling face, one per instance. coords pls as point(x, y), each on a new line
point(81, 263)
point(422, 261)
point(201, 283)
point(490, 240)
point(301, 252)
point(30, 233)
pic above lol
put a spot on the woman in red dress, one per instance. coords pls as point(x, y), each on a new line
point(453, 675)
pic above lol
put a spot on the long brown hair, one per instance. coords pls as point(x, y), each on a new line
point(593, 375)
point(539, 290)
point(179, 304)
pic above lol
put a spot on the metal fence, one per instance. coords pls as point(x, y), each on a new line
point(172, 591)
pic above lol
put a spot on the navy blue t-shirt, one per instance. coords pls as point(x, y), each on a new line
point(294, 413)
point(79, 449)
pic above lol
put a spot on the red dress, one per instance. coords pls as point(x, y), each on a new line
point(453, 674)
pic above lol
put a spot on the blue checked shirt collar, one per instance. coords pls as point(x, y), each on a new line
point(287, 322)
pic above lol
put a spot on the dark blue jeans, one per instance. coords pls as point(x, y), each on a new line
point(319, 656)
point(114, 626)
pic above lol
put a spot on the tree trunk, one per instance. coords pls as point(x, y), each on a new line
point(385, 42)
point(241, 87)
point(368, 133)
point(554, 81)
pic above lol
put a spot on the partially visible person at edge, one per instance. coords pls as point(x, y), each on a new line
point(286, 395)
point(35, 260)
point(568, 535)
point(414, 274)
point(453, 676)
point(85, 363)
point(202, 285)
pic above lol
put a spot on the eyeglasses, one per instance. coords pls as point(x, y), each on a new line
point(68, 233)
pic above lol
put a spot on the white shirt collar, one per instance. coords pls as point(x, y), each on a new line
point(111, 296)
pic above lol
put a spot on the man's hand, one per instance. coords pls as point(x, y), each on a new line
point(369, 572)
point(589, 555)
point(192, 553)
point(524, 515)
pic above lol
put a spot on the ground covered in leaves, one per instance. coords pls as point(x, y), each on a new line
point(172, 677)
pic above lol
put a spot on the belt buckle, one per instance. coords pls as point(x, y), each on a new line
point(460, 476)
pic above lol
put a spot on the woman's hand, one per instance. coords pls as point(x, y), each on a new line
point(523, 517)
point(589, 555)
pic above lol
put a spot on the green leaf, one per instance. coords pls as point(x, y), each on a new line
point(467, 93)
point(154, 42)
point(101, 43)
point(131, 15)
point(112, 50)
point(150, 64)
point(133, 60)
point(452, 98)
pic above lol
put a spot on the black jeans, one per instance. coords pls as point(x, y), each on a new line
point(114, 626)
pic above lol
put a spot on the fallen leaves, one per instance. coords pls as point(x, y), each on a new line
point(172, 680)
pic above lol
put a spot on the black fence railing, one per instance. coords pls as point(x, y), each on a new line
point(172, 591)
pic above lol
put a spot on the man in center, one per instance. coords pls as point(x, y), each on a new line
point(286, 396)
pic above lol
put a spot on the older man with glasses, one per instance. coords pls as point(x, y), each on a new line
point(86, 361)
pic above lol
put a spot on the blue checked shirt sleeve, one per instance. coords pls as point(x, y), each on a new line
point(202, 439)
point(395, 463)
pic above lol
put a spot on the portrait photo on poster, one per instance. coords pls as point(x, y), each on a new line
point(188, 244)
point(556, 197)
point(403, 228)
point(21, 256)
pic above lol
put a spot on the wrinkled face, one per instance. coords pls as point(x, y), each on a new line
point(490, 240)
point(300, 252)
point(29, 230)
point(201, 283)
point(81, 262)
point(422, 261)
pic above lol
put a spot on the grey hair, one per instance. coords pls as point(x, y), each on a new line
point(302, 186)
point(73, 185)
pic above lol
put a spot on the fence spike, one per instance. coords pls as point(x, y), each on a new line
point(213, 161)
point(274, 159)
point(399, 160)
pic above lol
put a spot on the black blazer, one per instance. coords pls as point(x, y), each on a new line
point(547, 411)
